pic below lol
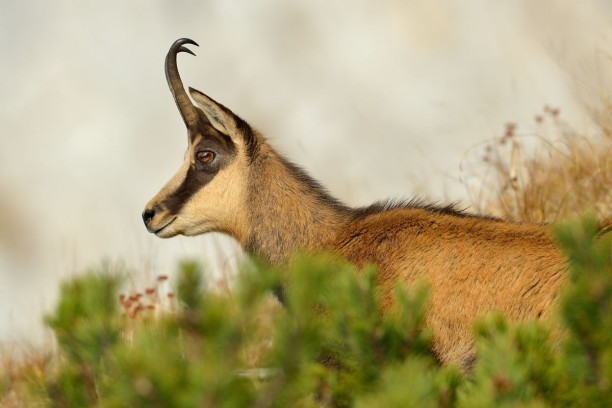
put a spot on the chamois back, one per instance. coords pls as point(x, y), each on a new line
point(474, 265)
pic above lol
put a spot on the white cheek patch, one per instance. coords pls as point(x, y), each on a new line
point(175, 182)
point(218, 206)
point(172, 185)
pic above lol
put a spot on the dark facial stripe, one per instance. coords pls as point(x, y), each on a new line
point(193, 182)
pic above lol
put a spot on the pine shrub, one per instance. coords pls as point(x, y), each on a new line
point(329, 346)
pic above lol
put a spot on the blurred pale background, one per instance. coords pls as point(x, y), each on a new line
point(375, 99)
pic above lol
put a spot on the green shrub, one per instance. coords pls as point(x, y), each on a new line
point(331, 345)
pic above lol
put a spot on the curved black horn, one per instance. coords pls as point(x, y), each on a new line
point(188, 111)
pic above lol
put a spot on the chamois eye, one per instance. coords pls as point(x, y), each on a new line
point(205, 156)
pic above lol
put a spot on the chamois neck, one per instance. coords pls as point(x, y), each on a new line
point(288, 210)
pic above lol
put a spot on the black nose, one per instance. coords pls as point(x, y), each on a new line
point(148, 215)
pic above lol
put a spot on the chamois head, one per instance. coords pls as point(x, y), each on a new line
point(208, 191)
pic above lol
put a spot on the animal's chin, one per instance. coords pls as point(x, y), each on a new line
point(167, 231)
point(166, 234)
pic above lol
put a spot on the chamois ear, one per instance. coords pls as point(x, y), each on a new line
point(218, 115)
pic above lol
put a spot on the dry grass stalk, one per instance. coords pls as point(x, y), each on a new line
point(20, 367)
point(556, 173)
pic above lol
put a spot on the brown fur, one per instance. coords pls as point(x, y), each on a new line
point(474, 264)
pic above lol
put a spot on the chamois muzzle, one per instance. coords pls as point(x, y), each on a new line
point(188, 111)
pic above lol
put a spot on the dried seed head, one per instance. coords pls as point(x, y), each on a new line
point(510, 128)
point(502, 384)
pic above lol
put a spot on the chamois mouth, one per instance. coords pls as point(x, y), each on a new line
point(156, 232)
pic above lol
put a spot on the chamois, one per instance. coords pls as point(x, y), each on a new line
point(232, 181)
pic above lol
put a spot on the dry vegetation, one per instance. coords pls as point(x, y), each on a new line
point(17, 368)
point(547, 176)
